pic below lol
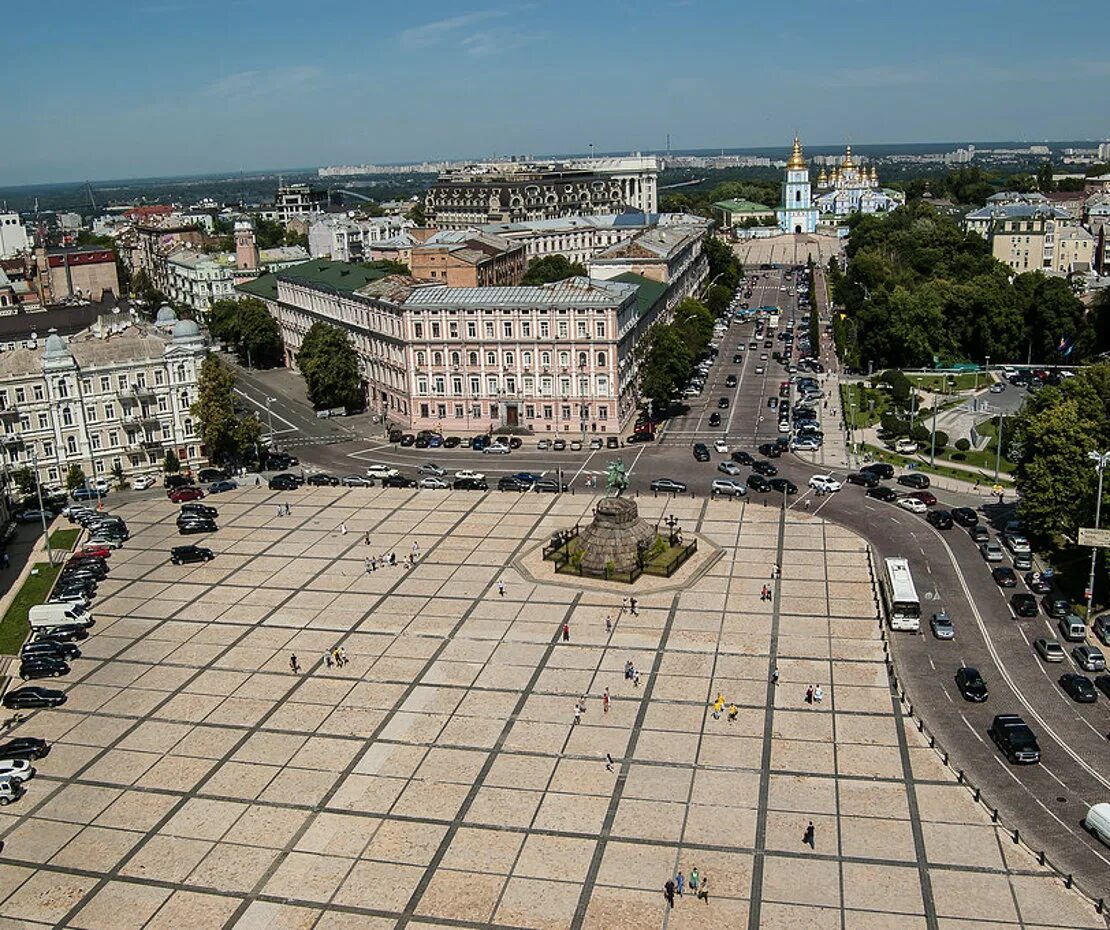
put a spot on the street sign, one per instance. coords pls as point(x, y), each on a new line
point(1090, 537)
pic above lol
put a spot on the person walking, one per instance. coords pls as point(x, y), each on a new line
point(343, 655)
point(694, 878)
point(732, 712)
point(6, 560)
point(608, 623)
point(415, 550)
point(680, 883)
point(628, 670)
point(605, 701)
point(288, 510)
point(280, 510)
point(774, 676)
point(393, 558)
point(703, 888)
point(294, 665)
point(608, 762)
point(577, 713)
point(328, 660)
point(566, 632)
point(343, 528)
point(636, 677)
point(632, 607)
point(809, 838)
point(718, 706)
point(668, 893)
point(818, 694)
point(809, 694)
point(366, 538)
point(501, 588)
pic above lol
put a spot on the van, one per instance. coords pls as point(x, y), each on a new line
point(1072, 628)
point(1098, 821)
point(44, 616)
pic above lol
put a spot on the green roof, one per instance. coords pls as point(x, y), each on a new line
point(742, 206)
point(648, 291)
point(341, 277)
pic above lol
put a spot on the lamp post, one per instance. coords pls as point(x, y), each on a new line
point(1101, 459)
point(270, 421)
point(998, 451)
point(42, 508)
point(933, 435)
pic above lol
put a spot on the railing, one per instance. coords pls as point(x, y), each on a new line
point(1099, 903)
point(559, 551)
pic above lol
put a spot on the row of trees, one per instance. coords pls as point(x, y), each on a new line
point(330, 366)
point(919, 291)
point(248, 328)
point(230, 437)
point(552, 268)
point(669, 352)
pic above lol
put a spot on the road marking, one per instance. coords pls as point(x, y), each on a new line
point(944, 691)
point(932, 665)
point(1023, 636)
point(1053, 776)
point(262, 406)
point(974, 732)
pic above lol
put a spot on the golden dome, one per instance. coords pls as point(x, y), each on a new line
point(797, 161)
point(848, 162)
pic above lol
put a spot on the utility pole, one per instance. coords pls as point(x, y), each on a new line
point(42, 507)
point(933, 435)
point(998, 451)
point(270, 420)
point(1101, 459)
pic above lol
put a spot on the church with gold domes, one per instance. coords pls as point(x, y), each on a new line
point(853, 188)
point(797, 214)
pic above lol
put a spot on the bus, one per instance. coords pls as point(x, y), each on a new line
point(903, 607)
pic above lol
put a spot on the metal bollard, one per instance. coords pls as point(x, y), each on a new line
point(920, 725)
point(1068, 882)
point(978, 794)
point(944, 758)
point(994, 815)
point(960, 777)
point(1017, 836)
point(1100, 907)
point(1040, 857)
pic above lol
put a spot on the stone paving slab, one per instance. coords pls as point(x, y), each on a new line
point(439, 779)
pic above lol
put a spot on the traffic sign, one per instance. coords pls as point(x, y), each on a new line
point(1099, 538)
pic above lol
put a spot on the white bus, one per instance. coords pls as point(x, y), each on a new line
point(903, 607)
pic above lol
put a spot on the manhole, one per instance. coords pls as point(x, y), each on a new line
point(1061, 800)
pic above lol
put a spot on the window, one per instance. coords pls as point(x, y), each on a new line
point(491, 358)
point(603, 413)
point(489, 329)
point(455, 359)
point(188, 427)
point(491, 385)
point(526, 359)
point(472, 358)
point(421, 359)
point(471, 329)
point(140, 379)
point(600, 329)
point(109, 412)
point(86, 385)
point(418, 330)
point(545, 359)
point(20, 395)
point(530, 411)
point(453, 329)
point(438, 384)
point(182, 399)
point(456, 385)
point(547, 411)
point(62, 387)
point(163, 403)
point(71, 445)
point(510, 360)
point(507, 328)
point(475, 384)
point(526, 329)
point(545, 329)
point(48, 449)
point(422, 386)
point(564, 359)
point(562, 329)
point(437, 359)
point(583, 359)
point(436, 330)
point(121, 381)
point(113, 438)
point(94, 441)
point(458, 411)
point(44, 421)
point(159, 377)
point(105, 383)
point(601, 360)
point(180, 372)
point(67, 417)
point(545, 386)
point(38, 392)
point(582, 329)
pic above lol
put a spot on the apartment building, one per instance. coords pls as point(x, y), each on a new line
point(349, 239)
point(116, 394)
point(1022, 234)
point(468, 258)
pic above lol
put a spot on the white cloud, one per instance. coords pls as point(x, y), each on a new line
point(265, 83)
point(441, 29)
point(488, 42)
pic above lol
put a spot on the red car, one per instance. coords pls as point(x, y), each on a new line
point(181, 495)
point(926, 497)
point(95, 552)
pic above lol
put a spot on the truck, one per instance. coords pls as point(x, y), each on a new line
point(48, 616)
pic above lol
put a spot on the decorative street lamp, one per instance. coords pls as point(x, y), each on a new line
point(1101, 459)
point(672, 522)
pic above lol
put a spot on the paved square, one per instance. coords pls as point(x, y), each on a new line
point(438, 778)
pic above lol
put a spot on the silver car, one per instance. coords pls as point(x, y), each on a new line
point(1089, 658)
point(727, 488)
point(432, 483)
point(942, 627)
point(991, 551)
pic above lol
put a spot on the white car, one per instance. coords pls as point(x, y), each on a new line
point(759, 369)
point(721, 446)
point(430, 468)
point(10, 791)
point(468, 473)
point(912, 504)
point(16, 770)
point(825, 483)
point(381, 472)
point(112, 542)
point(784, 426)
point(596, 443)
point(805, 444)
point(142, 482)
point(905, 447)
point(432, 483)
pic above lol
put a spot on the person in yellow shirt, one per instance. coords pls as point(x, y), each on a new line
point(718, 706)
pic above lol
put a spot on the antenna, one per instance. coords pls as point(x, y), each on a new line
point(668, 145)
point(92, 199)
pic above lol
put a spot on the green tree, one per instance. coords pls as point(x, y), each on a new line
point(963, 444)
point(25, 480)
point(694, 323)
point(75, 478)
point(227, 437)
point(246, 325)
point(666, 366)
point(940, 440)
point(1045, 182)
point(724, 267)
point(389, 266)
point(717, 299)
point(121, 478)
point(552, 268)
point(171, 464)
point(417, 213)
point(330, 366)
point(269, 234)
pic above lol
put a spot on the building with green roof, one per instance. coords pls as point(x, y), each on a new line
point(731, 213)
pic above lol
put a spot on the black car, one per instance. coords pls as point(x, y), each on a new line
point(722, 403)
point(470, 484)
point(701, 452)
point(395, 434)
point(1037, 583)
point(1023, 605)
point(766, 469)
point(1056, 607)
point(914, 480)
point(965, 516)
point(714, 419)
point(322, 480)
point(284, 482)
point(177, 481)
point(277, 461)
point(941, 519)
point(668, 486)
point(740, 457)
point(180, 555)
point(758, 483)
point(730, 381)
point(189, 527)
point(867, 479)
point(1012, 735)
point(63, 633)
point(33, 696)
point(645, 437)
point(208, 475)
point(547, 486)
point(770, 449)
point(398, 481)
point(407, 440)
point(195, 508)
point(24, 747)
point(883, 469)
point(1004, 576)
point(784, 486)
point(42, 666)
point(883, 493)
point(49, 646)
point(509, 483)
point(450, 442)
point(1079, 688)
point(971, 685)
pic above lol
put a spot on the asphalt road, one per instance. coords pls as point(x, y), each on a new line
point(1045, 802)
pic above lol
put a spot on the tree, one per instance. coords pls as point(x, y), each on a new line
point(121, 478)
point(939, 440)
point(389, 266)
point(417, 213)
point(246, 325)
point(667, 364)
point(268, 234)
point(25, 480)
point(75, 478)
point(963, 444)
point(171, 465)
point(552, 268)
point(717, 299)
point(1045, 182)
point(694, 324)
point(724, 266)
point(227, 437)
point(330, 366)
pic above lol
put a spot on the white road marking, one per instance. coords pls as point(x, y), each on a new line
point(974, 732)
point(262, 406)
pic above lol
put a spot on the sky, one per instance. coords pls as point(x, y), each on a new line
point(136, 88)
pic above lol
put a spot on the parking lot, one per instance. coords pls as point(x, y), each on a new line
point(438, 777)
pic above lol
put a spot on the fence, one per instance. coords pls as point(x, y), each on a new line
point(559, 551)
point(1099, 903)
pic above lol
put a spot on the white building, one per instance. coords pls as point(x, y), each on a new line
point(638, 176)
point(13, 236)
point(348, 239)
point(797, 213)
point(853, 188)
point(117, 394)
point(198, 279)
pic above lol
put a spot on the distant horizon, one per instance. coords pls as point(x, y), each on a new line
point(762, 150)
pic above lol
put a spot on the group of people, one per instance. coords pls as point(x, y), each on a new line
point(336, 657)
point(719, 708)
point(699, 886)
point(814, 694)
point(284, 510)
point(766, 593)
point(381, 561)
point(631, 673)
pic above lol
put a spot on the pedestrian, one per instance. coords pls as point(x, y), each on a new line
point(257, 481)
point(608, 623)
point(632, 607)
point(732, 712)
point(328, 659)
point(818, 694)
point(577, 713)
point(636, 677)
point(774, 676)
point(608, 762)
point(680, 883)
point(415, 550)
point(807, 504)
point(288, 510)
point(280, 510)
point(366, 563)
point(668, 892)
point(392, 558)
point(809, 694)
point(808, 838)
point(718, 706)
point(366, 538)
point(343, 528)
point(343, 655)
point(566, 632)
point(501, 588)
point(628, 670)
point(412, 560)
point(335, 656)
point(694, 878)
point(703, 888)
point(605, 701)
point(294, 665)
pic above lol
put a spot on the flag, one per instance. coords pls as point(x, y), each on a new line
point(1066, 345)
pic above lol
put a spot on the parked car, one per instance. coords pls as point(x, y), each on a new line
point(189, 527)
point(766, 469)
point(914, 479)
point(912, 504)
point(380, 471)
point(727, 488)
point(980, 534)
point(1004, 576)
point(757, 482)
point(398, 481)
point(497, 448)
point(971, 685)
point(225, 484)
point(24, 747)
point(430, 468)
point(883, 493)
point(991, 551)
point(668, 486)
point(16, 770)
point(432, 483)
point(33, 696)
point(470, 484)
point(926, 497)
point(1079, 688)
point(729, 468)
point(1089, 658)
point(322, 480)
point(510, 483)
point(356, 481)
point(1037, 583)
point(865, 479)
point(143, 482)
point(1023, 605)
point(1048, 649)
point(180, 495)
point(883, 469)
point(548, 486)
point(1056, 607)
point(965, 516)
point(43, 666)
point(701, 452)
point(783, 486)
point(181, 555)
point(941, 519)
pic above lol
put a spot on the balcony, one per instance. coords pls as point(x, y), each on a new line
point(134, 392)
point(12, 441)
point(9, 413)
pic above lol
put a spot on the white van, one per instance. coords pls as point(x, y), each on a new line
point(44, 616)
point(1098, 821)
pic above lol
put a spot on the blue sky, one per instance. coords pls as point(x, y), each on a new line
point(149, 87)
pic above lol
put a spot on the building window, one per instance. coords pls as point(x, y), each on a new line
point(582, 333)
point(109, 412)
point(600, 328)
point(421, 359)
point(105, 383)
point(67, 417)
point(159, 377)
point(545, 359)
point(163, 404)
point(458, 411)
point(121, 380)
point(491, 358)
point(86, 385)
point(422, 386)
point(418, 330)
point(71, 445)
point(526, 329)
point(530, 411)
point(455, 359)
point(601, 360)
point(48, 449)
point(547, 411)
point(472, 358)
point(38, 392)
point(471, 329)
point(545, 329)
point(562, 329)
point(453, 330)
point(44, 421)
point(94, 442)
point(509, 359)
point(603, 413)
point(437, 359)
point(62, 387)
point(20, 395)
point(526, 359)
point(90, 414)
point(507, 328)
point(113, 438)
point(489, 329)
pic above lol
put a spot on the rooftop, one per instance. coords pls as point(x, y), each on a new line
point(742, 206)
point(339, 277)
point(1020, 211)
point(662, 242)
point(573, 292)
point(648, 291)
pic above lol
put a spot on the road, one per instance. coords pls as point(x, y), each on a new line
point(1044, 802)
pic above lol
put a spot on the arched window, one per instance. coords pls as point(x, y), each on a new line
point(421, 358)
point(509, 359)
point(437, 358)
point(583, 360)
point(455, 359)
point(491, 358)
point(183, 399)
point(797, 196)
point(472, 358)
point(67, 417)
point(63, 388)
point(71, 445)
point(601, 359)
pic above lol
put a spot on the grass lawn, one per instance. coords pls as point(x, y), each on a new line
point(64, 539)
point(970, 473)
point(13, 627)
point(961, 381)
point(861, 396)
